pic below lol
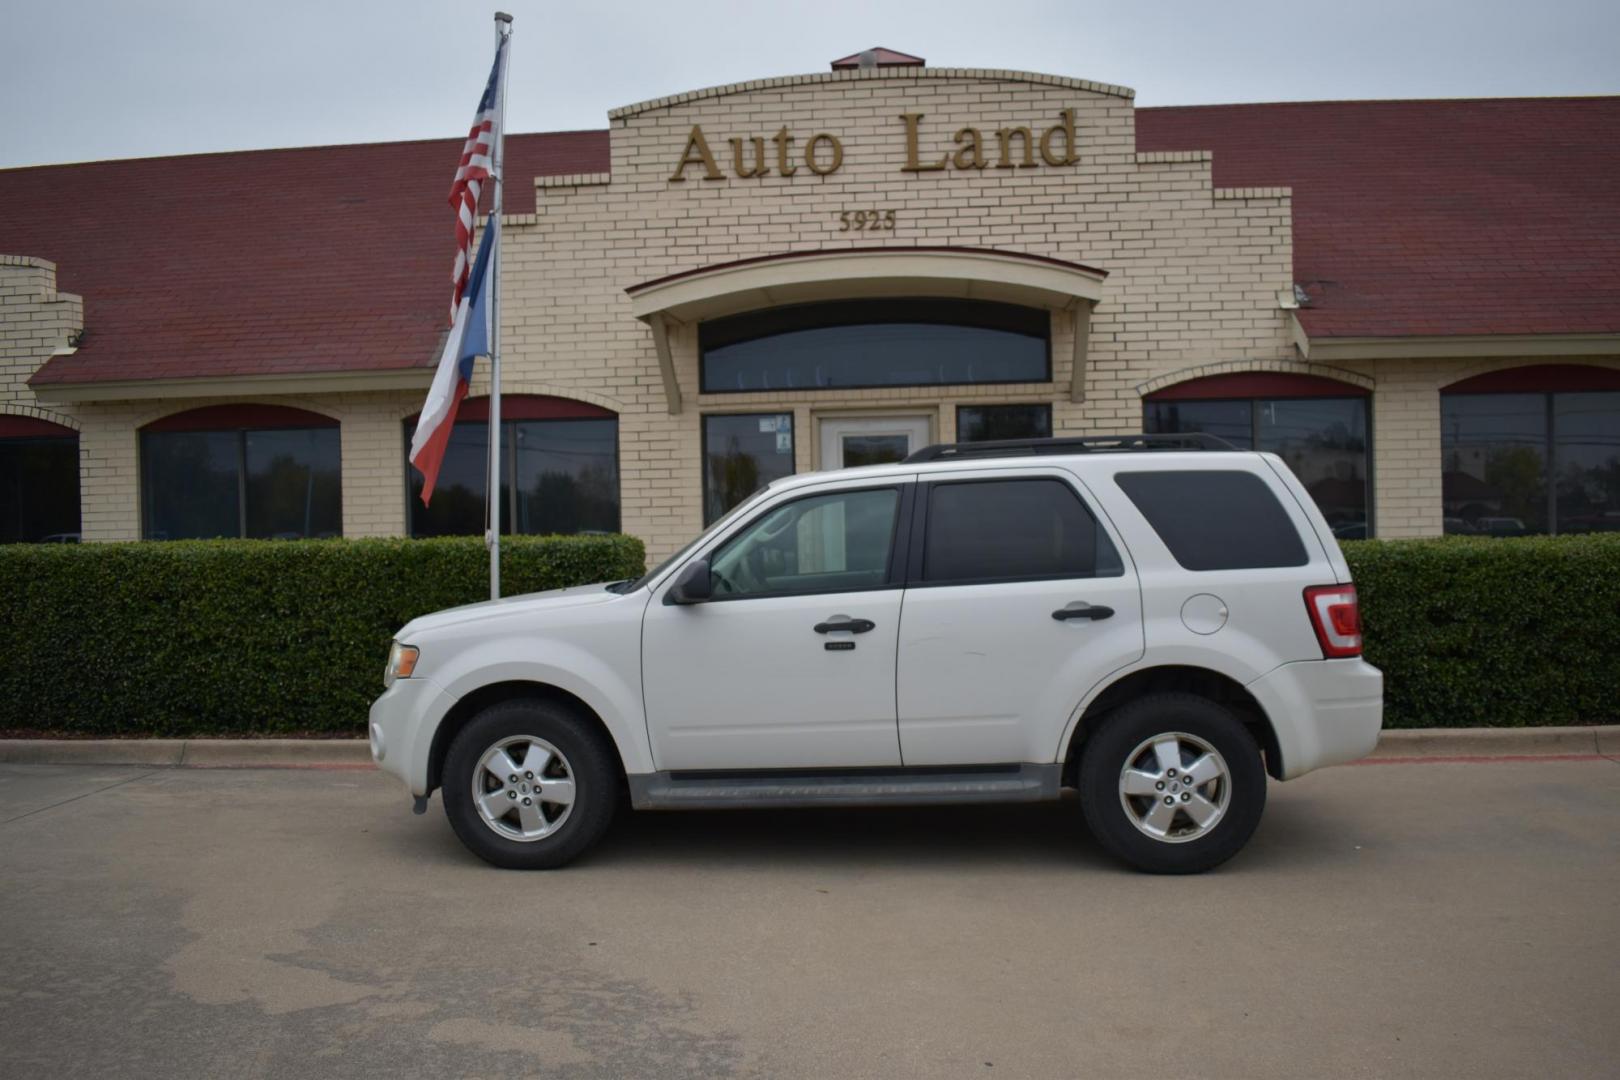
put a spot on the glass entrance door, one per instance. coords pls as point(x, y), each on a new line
point(879, 440)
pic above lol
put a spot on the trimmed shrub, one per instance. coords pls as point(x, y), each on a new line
point(242, 637)
point(1483, 632)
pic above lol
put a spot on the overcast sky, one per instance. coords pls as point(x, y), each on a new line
point(88, 79)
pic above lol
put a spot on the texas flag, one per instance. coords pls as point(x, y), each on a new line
point(468, 339)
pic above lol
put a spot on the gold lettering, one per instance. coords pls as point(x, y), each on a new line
point(1004, 137)
point(1066, 129)
point(698, 146)
point(759, 168)
point(971, 154)
point(912, 164)
point(810, 153)
point(784, 145)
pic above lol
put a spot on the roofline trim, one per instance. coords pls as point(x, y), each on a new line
point(851, 273)
point(303, 383)
point(893, 72)
point(1448, 346)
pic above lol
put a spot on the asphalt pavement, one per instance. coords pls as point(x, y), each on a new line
point(1419, 918)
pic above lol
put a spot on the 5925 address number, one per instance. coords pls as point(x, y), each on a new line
point(869, 220)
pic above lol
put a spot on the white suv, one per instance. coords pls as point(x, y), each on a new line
point(1156, 621)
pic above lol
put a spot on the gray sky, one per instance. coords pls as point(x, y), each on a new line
point(88, 79)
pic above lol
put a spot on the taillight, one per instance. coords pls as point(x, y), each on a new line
point(1336, 618)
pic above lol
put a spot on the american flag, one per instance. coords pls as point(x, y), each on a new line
point(476, 166)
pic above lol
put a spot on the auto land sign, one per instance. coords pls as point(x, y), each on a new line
point(823, 152)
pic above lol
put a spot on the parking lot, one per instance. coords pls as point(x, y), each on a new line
point(1421, 918)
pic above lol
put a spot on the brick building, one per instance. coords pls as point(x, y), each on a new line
point(1416, 303)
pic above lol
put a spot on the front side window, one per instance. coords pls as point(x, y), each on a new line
point(825, 543)
point(872, 343)
point(268, 483)
point(1009, 530)
point(39, 483)
point(742, 452)
point(1515, 464)
point(982, 423)
point(1322, 439)
point(558, 476)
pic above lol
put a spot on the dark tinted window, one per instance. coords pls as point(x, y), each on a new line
point(282, 484)
point(39, 489)
point(742, 453)
point(1009, 529)
point(1514, 464)
point(1215, 520)
point(566, 473)
point(293, 484)
point(979, 423)
point(875, 343)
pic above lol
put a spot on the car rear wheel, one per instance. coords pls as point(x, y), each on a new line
point(1172, 784)
point(529, 785)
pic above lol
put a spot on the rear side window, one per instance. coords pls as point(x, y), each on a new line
point(1005, 530)
point(1216, 520)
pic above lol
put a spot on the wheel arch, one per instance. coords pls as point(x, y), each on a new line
point(1184, 678)
point(476, 701)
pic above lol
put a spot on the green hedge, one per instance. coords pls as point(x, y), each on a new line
point(266, 637)
point(1482, 632)
point(242, 637)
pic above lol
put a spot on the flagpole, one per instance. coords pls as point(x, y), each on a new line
point(503, 31)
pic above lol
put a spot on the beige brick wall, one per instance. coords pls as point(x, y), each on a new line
point(1193, 274)
point(35, 321)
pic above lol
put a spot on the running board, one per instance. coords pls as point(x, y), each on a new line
point(843, 787)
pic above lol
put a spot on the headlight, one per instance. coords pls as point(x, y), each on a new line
point(401, 663)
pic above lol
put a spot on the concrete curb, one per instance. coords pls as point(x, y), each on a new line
point(1497, 742)
point(352, 753)
point(195, 753)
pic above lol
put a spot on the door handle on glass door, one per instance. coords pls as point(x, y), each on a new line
point(1082, 610)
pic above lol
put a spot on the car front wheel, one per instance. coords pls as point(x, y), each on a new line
point(529, 785)
point(1172, 784)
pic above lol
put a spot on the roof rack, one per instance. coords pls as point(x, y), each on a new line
point(1079, 444)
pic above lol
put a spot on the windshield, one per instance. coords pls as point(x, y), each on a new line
point(725, 519)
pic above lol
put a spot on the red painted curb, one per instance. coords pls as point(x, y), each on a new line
point(1479, 759)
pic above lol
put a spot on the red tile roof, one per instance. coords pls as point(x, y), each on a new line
point(1432, 217)
point(1410, 218)
point(271, 262)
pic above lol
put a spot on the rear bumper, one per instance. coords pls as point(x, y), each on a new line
point(1325, 712)
point(403, 721)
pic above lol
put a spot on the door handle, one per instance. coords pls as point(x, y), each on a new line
point(1082, 610)
point(844, 622)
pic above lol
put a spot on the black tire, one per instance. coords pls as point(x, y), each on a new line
point(1119, 738)
point(590, 762)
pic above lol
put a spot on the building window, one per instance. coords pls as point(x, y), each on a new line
point(1318, 426)
point(559, 470)
point(875, 343)
point(742, 452)
point(979, 423)
point(1518, 461)
point(259, 471)
point(39, 481)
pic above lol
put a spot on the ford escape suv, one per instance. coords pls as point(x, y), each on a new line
point(1156, 622)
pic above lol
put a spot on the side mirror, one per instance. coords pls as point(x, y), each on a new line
point(693, 586)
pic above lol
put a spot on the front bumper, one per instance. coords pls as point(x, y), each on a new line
point(403, 721)
point(1325, 712)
